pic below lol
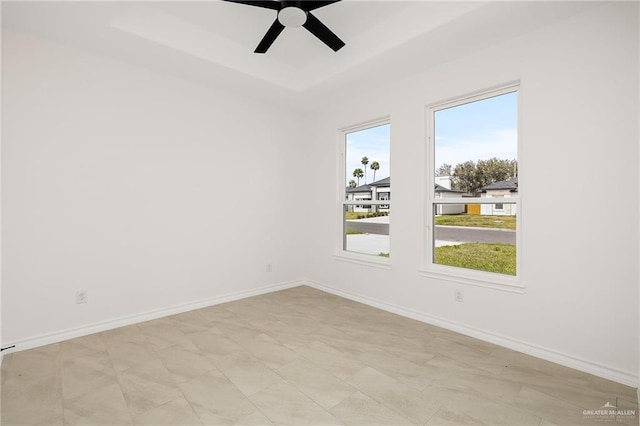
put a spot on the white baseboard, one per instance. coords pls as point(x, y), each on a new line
point(603, 371)
point(72, 333)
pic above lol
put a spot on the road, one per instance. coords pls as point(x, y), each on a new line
point(444, 233)
point(475, 235)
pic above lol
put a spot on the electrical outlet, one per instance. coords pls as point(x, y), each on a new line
point(458, 295)
point(269, 267)
point(81, 297)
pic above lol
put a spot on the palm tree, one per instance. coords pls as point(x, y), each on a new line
point(352, 183)
point(375, 166)
point(364, 162)
point(358, 173)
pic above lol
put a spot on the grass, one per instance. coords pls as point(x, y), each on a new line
point(500, 258)
point(352, 232)
point(479, 221)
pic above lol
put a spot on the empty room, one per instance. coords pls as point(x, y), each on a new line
point(199, 225)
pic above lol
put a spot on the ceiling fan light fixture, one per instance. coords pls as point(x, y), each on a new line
point(292, 16)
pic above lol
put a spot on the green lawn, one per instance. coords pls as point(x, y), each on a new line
point(500, 258)
point(480, 221)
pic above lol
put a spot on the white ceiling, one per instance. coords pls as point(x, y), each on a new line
point(212, 42)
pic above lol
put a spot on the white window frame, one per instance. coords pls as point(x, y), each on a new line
point(340, 253)
point(454, 274)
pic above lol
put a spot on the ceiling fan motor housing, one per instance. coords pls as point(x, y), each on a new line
point(292, 16)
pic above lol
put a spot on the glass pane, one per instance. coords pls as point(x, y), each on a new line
point(476, 146)
point(366, 229)
point(367, 161)
point(476, 236)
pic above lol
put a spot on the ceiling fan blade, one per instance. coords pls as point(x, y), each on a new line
point(270, 37)
point(313, 5)
point(267, 4)
point(325, 35)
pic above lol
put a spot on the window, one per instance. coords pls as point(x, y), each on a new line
point(473, 156)
point(366, 177)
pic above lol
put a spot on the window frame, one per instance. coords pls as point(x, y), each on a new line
point(340, 253)
point(454, 274)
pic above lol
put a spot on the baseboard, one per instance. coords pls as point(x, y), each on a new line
point(72, 333)
point(606, 372)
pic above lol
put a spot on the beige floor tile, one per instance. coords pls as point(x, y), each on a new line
point(359, 409)
point(215, 346)
point(82, 346)
point(32, 387)
point(321, 386)
point(283, 404)
point(128, 334)
point(331, 359)
point(549, 408)
point(102, 406)
point(407, 372)
point(470, 355)
point(31, 402)
point(447, 417)
point(185, 364)
point(34, 364)
point(147, 387)
point(81, 374)
point(268, 350)
point(482, 408)
point(406, 401)
point(574, 390)
point(127, 355)
point(216, 400)
point(254, 419)
point(297, 356)
point(176, 412)
point(247, 373)
point(163, 333)
point(455, 375)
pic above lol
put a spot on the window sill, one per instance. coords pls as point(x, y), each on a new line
point(363, 259)
point(479, 279)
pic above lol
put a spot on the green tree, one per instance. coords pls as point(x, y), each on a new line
point(375, 166)
point(352, 183)
point(364, 162)
point(358, 173)
point(464, 177)
point(444, 170)
point(471, 177)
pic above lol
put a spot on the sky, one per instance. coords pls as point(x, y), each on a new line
point(372, 143)
point(475, 131)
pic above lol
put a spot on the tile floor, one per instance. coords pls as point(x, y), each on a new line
point(295, 357)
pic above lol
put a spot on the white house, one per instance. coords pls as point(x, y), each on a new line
point(378, 190)
point(502, 189)
point(447, 192)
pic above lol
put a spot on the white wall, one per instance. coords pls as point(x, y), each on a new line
point(133, 186)
point(579, 93)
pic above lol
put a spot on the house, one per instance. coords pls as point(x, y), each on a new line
point(154, 164)
point(446, 192)
point(502, 189)
point(379, 190)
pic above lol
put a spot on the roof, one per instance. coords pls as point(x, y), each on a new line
point(382, 182)
point(367, 186)
point(510, 184)
point(440, 188)
point(361, 188)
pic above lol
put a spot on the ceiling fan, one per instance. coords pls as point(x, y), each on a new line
point(295, 14)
